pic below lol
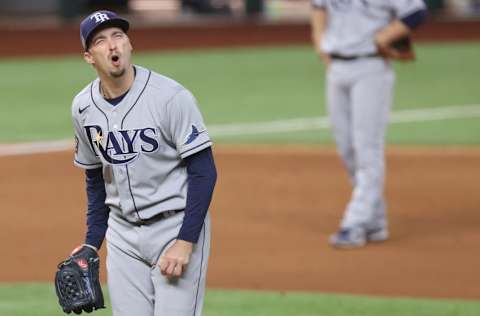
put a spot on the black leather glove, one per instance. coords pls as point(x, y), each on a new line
point(77, 281)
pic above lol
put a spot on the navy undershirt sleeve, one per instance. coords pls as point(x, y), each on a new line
point(202, 176)
point(415, 19)
point(97, 214)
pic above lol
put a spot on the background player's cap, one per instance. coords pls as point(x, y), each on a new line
point(99, 20)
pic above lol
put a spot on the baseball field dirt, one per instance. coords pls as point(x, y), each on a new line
point(273, 210)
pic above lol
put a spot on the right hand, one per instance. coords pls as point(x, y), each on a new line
point(386, 39)
point(324, 57)
point(173, 262)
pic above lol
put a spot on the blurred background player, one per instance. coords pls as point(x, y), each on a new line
point(353, 39)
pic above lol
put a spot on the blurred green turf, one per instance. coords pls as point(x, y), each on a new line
point(40, 300)
point(247, 85)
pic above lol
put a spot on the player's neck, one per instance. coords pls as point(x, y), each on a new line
point(112, 87)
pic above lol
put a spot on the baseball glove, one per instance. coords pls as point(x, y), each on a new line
point(401, 49)
point(77, 281)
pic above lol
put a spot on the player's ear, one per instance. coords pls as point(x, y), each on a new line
point(130, 44)
point(88, 58)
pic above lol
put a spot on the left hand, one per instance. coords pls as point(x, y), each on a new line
point(389, 51)
point(383, 45)
point(386, 40)
point(173, 262)
point(77, 281)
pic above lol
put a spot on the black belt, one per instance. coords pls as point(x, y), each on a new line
point(348, 58)
point(155, 218)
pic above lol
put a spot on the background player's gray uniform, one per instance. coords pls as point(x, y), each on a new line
point(359, 98)
point(140, 143)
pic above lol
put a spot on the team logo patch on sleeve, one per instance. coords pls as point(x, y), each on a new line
point(195, 133)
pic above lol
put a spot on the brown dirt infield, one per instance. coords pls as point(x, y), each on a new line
point(273, 210)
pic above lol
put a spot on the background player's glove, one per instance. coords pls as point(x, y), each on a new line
point(77, 281)
point(401, 49)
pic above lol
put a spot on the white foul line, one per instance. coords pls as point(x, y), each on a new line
point(35, 147)
point(322, 122)
point(268, 127)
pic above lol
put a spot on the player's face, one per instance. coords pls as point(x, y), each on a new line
point(110, 52)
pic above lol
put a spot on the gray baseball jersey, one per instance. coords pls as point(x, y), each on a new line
point(352, 24)
point(140, 144)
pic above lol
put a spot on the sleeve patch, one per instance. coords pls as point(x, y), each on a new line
point(193, 135)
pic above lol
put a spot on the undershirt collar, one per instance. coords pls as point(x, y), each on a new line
point(117, 100)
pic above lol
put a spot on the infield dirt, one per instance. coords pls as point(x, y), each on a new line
point(273, 210)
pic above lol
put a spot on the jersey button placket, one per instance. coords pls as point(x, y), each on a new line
point(115, 124)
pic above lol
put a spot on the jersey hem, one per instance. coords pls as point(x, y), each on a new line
point(410, 12)
point(86, 165)
point(195, 149)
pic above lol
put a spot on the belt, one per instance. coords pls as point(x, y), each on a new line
point(348, 58)
point(156, 218)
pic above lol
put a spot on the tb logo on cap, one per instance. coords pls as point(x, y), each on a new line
point(99, 17)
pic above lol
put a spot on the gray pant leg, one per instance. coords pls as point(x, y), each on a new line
point(185, 296)
point(136, 285)
point(379, 215)
point(371, 103)
point(340, 114)
point(129, 283)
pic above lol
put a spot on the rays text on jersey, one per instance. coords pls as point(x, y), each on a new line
point(123, 146)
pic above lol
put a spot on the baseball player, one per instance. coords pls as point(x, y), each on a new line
point(354, 38)
point(150, 176)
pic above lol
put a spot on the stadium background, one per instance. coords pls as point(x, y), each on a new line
point(281, 187)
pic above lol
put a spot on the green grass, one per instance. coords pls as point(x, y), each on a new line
point(247, 85)
point(458, 131)
point(455, 131)
point(444, 74)
point(40, 300)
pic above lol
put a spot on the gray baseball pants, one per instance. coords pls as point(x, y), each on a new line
point(359, 99)
point(135, 283)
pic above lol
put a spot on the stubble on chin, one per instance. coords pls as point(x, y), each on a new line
point(117, 74)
